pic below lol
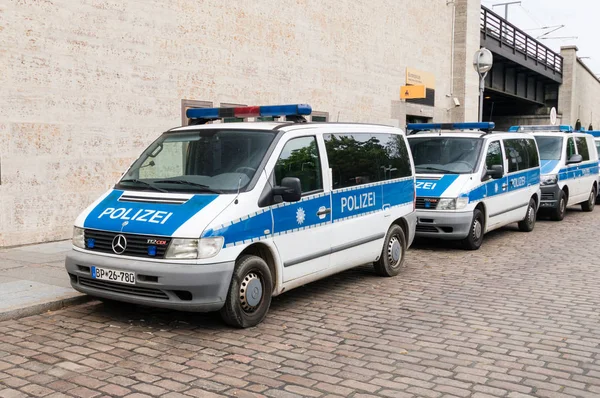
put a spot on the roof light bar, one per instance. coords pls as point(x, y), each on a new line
point(595, 133)
point(249, 111)
point(549, 128)
point(451, 126)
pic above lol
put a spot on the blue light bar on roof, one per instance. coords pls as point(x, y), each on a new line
point(451, 126)
point(249, 111)
point(550, 128)
point(595, 133)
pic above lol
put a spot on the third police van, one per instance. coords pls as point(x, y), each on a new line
point(569, 168)
point(596, 135)
point(471, 181)
point(223, 216)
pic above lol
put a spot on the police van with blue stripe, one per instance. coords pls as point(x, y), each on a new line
point(471, 181)
point(569, 168)
point(222, 216)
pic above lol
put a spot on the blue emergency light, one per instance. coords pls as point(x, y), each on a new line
point(550, 128)
point(595, 133)
point(249, 111)
point(450, 126)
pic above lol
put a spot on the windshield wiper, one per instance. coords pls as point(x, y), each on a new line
point(436, 169)
point(135, 181)
point(190, 183)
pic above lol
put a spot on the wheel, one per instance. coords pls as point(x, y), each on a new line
point(559, 213)
point(392, 254)
point(589, 204)
point(249, 295)
point(475, 238)
point(527, 224)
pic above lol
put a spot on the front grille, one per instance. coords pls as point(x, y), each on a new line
point(426, 228)
point(137, 245)
point(548, 196)
point(130, 290)
point(426, 203)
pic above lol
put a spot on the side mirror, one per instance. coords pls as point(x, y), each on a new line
point(496, 171)
point(290, 189)
point(577, 158)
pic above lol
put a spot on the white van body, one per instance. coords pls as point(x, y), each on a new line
point(455, 188)
point(569, 168)
point(187, 233)
point(596, 135)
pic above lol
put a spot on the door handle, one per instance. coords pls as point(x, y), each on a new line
point(323, 212)
point(504, 186)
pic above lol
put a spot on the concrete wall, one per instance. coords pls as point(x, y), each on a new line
point(87, 84)
point(579, 95)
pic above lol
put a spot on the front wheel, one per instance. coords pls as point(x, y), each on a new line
point(475, 238)
point(589, 204)
point(392, 255)
point(249, 295)
point(527, 224)
point(558, 214)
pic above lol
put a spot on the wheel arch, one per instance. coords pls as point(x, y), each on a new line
point(402, 223)
point(268, 254)
point(483, 209)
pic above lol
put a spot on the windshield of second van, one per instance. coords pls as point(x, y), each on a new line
point(550, 147)
point(213, 161)
point(445, 155)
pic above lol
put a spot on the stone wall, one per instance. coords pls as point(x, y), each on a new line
point(579, 95)
point(87, 84)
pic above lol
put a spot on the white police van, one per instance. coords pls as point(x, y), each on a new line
point(569, 168)
point(471, 181)
point(222, 216)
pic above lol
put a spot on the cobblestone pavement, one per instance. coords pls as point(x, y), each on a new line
point(518, 318)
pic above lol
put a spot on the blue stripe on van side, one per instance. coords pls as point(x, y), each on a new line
point(578, 171)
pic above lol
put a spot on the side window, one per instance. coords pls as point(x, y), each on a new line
point(516, 155)
point(582, 148)
point(363, 158)
point(300, 158)
point(494, 155)
point(532, 151)
point(570, 148)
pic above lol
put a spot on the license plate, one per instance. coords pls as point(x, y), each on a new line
point(113, 275)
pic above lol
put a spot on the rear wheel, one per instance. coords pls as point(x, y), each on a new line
point(559, 212)
point(527, 224)
point(475, 238)
point(392, 254)
point(589, 204)
point(249, 295)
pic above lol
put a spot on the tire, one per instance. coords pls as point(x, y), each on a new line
point(475, 238)
point(558, 214)
point(249, 296)
point(528, 223)
point(589, 204)
point(392, 255)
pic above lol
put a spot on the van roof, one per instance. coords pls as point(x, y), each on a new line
point(282, 126)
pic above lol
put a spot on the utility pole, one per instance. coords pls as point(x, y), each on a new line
point(506, 7)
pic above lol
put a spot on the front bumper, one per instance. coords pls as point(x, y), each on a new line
point(550, 196)
point(443, 224)
point(188, 287)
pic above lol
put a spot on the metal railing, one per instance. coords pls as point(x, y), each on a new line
point(493, 25)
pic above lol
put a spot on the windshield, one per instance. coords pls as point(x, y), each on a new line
point(446, 155)
point(218, 161)
point(550, 147)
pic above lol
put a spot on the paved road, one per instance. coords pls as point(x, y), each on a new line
point(520, 317)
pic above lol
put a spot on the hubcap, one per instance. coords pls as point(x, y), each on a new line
point(530, 214)
point(394, 252)
point(251, 291)
point(562, 205)
point(476, 229)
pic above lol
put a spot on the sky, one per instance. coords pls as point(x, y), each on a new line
point(580, 17)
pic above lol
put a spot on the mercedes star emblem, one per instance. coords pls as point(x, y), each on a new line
point(119, 244)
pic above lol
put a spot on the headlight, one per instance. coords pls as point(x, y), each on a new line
point(194, 248)
point(446, 204)
point(78, 237)
point(452, 204)
point(549, 179)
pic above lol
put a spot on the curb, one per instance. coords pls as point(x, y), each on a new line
point(40, 308)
